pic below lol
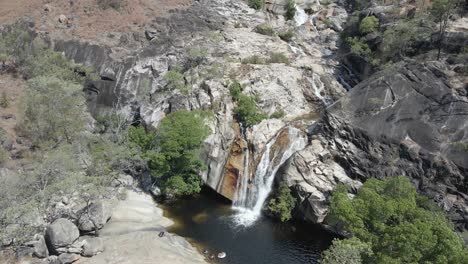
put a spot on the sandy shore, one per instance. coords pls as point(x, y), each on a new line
point(131, 236)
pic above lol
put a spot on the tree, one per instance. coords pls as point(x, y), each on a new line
point(368, 25)
point(52, 110)
point(173, 151)
point(346, 251)
point(247, 111)
point(441, 10)
point(283, 204)
point(400, 225)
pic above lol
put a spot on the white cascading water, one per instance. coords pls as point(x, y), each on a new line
point(251, 195)
point(319, 88)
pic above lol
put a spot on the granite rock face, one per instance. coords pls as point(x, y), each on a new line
point(61, 233)
point(409, 122)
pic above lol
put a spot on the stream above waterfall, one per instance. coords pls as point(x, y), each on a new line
point(207, 222)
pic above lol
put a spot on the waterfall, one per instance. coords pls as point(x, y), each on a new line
point(251, 195)
point(319, 88)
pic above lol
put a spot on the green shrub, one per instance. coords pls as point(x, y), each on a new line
point(286, 35)
point(265, 29)
point(256, 4)
point(358, 47)
point(399, 225)
point(283, 203)
point(52, 110)
point(346, 251)
point(196, 56)
point(4, 100)
point(278, 57)
point(254, 59)
point(368, 25)
point(175, 159)
point(278, 114)
point(247, 111)
point(176, 81)
point(236, 90)
point(290, 10)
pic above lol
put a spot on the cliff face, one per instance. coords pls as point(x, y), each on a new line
point(407, 121)
point(410, 121)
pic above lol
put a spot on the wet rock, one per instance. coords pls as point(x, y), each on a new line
point(61, 233)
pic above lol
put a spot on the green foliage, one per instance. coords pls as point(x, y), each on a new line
point(4, 100)
point(346, 251)
point(368, 25)
point(236, 90)
point(290, 10)
point(105, 4)
point(46, 62)
point(176, 81)
point(139, 136)
point(52, 110)
point(359, 47)
point(278, 57)
point(254, 59)
point(265, 29)
point(196, 56)
point(283, 203)
point(256, 4)
point(13, 44)
point(286, 35)
point(247, 111)
point(391, 217)
point(399, 40)
point(278, 114)
point(173, 151)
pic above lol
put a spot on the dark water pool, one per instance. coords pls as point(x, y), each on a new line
point(206, 221)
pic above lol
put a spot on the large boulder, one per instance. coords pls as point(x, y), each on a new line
point(95, 216)
point(61, 233)
point(39, 247)
point(409, 121)
point(92, 246)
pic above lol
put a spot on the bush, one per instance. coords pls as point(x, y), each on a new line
point(278, 57)
point(283, 204)
point(256, 4)
point(278, 114)
point(173, 151)
point(4, 100)
point(254, 59)
point(358, 47)
point(176, 81)
point(3, 155)
point(196, 56)
point(265, 29)
point(105, 4)
point(236, 90)
point(52, 110)
point(290, 10)
point(346, 251)
point(368, 25)
point(286, 35)
point(399, 225)
point(247, 111)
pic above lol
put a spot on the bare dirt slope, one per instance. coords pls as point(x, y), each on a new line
point(87, 19)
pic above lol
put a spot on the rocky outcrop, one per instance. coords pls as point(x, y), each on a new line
point(93, 217)
point(409, 121)
point(61, 233)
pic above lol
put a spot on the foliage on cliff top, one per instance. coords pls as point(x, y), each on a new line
point(399, 225)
